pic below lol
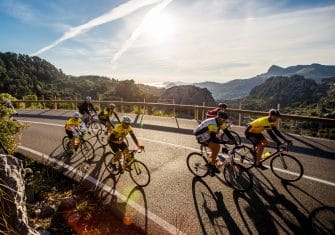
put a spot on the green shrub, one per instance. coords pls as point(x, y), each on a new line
point(9, 130)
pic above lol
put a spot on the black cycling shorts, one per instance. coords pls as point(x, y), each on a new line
point(255, 138)
point(69, 134)
point(118, 147)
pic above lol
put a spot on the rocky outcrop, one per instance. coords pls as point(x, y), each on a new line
point(188, 94)
point(13, 186)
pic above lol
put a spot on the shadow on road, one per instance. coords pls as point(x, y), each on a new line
point(212, 213)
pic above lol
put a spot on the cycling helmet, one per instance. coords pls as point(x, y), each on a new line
point(274, 112)
point(88, 98)
point(223, 115)
point(126, 119)
point(111, 105)
point(76, 115)
point(223, 105)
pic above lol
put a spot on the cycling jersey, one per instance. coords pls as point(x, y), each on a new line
point(212, 113)
point(86, 107)
point(105, 113)
point(204, 130)
point(72, 122)
point(261, 124)
point(119, 132)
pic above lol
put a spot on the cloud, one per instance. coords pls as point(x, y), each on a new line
point(137, 32)
point(114, 14)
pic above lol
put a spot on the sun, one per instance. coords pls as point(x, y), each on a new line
point(160, 28)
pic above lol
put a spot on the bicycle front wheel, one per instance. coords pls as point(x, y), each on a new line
point(139, 173)
point(196, 163)
point(87, 150)
point(238, 177)
point(286, 167)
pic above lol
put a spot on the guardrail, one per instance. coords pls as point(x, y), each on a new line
point(198, 110)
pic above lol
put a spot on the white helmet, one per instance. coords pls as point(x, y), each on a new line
point(76, 115)
point(8, 103)
point(126, 119)
point(88, 98)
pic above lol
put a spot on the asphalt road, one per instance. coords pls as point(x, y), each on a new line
point(175, 199)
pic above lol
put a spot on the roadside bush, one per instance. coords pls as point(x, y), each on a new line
point(9, 130)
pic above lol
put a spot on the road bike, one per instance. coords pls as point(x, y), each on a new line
point(235, 175)
point(84, 146)
point(118, 163)
point(224, 138)
point(284, 166)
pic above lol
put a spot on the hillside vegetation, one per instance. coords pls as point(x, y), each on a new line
point(22, 75)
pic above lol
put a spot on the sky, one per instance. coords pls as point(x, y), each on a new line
point(154, 41)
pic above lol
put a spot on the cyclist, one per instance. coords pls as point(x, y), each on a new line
point(255, 129)
point(71, 128)
point(10, 107)
point(119, 133)
point(85, 109)
point(212, 113)
point(206, 133)
point(104, 116)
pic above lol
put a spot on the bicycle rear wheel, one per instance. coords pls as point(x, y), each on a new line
point(238, 177)
point(113, 165)
point(66, 143)
point(139, 173)
point(286, 167)
point(87, 150)
point(196, 163)
point(224, 138)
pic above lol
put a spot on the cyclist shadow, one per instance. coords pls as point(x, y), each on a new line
point(321, 219)
point(126, 207)
point(269, 210)
point(212, 213)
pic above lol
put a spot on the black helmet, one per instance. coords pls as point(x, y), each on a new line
point(223, 115)
point(274, 112)
point(222, 105)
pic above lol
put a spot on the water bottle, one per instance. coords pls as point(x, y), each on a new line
point(266, 154)
point(222, 162)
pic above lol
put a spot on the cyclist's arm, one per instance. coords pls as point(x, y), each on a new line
point(230, 136)
point(109, 121)
point(92, 108)
point(117, 117)
point(134, 138)
point(278, 133)
point(273, 137)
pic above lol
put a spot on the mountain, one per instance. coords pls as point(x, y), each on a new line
point(188, 94)
point(22, 75)
point(240, 88)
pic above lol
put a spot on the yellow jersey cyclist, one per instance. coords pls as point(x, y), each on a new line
point(207, 134)
point(119, 133)
point(72, 127)
point(105, 114)
point(255, 129)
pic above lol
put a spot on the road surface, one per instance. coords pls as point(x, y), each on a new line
point(177, 202)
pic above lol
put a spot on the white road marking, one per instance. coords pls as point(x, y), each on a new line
point(197, 150)
point(156, 219)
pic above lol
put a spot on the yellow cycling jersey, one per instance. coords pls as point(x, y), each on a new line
point(106, 113)
point(261, 124)
point(72, 122)
point(120, 132)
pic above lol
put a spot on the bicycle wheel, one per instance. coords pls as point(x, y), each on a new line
point(286, 167)
point(87, 150)
point(196, 163)
point(95, 128)
point(103, 137)
point(139, 173)
point(224, 138)
point(244, 156)
point(66, 144)
point(238, 177)
point(112, 165)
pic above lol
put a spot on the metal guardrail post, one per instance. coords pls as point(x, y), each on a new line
point(240, 115)
point(279, 121)
point(122, 108)
point(55, 103)
point(24, 104)
point(203, 111)
point(174, 109)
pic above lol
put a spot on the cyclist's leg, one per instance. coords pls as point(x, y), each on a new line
point(259, 142)
point(215, 148)
point(70, 135)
